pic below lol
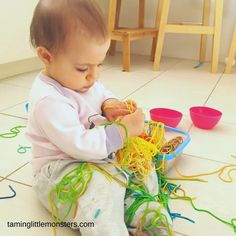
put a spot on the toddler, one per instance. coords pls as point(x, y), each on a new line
point(66, 105)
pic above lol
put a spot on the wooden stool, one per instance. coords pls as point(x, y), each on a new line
point(204, 29)
point(232, 53)
point(126, 35)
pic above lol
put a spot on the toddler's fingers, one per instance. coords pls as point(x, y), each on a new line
point(140, 112)
point(130, 105)
point(134, 104)
point(122, 112)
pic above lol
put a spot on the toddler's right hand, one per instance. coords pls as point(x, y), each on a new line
point(134, 123)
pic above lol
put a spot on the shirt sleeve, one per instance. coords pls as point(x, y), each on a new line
point(114, 140)
point(59, 123)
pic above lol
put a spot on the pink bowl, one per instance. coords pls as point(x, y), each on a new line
point(167, 116)
point(204, 117)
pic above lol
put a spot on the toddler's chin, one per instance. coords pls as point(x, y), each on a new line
point(82, 90)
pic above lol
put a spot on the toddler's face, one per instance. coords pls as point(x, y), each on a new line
point(79, 65)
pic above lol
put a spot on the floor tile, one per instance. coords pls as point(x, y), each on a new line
point(139, 63)
point(192, 68)
point(23, 175)
point(224, 96)
point(159, 95)
point(178, 85)
point(25, 207)
point(23, 80)
point(122, 84)
point(19, 110)
point(214, 195)
point(177, 88)
point(12, 95)
point(216, 144)
point(11, 159)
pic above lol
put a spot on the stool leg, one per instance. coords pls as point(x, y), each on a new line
point(154, 44)
point(116, 6)
point(157, 25)
point(216, 36)
point(232, 53)
point(141, 13)
point(205, 21)
point(112, 15)
point(126, 53)
point(112, 48)
point(161, 33)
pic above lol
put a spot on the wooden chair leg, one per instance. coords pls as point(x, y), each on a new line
point(126, 53)
point(157, 25)
point(232, 53)
point(205, 21)
point(118, 7)
point(161, 33)
point(141, 13)
point(154, 44)
point(216, 35)
point(112, 48)
point(112, 15)
point(115, 9)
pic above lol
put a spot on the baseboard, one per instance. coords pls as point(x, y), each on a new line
point(19, 67)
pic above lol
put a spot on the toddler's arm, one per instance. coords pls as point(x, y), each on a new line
point(59, 122)
point(114, 108)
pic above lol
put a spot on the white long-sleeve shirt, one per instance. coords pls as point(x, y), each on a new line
point(58, 125)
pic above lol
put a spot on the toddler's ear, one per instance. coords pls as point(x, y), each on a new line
point(44, 55)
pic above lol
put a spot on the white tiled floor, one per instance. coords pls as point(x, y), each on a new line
point(178, 85)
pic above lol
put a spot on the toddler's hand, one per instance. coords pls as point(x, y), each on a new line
point(134, 123)
point(113, 108)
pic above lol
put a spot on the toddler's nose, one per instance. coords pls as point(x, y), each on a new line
point(92, 75)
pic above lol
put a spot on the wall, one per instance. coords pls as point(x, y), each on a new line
point(16, 55)
point(178, 45)
point(15, 17)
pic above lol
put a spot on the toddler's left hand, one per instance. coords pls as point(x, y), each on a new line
point(113, 108)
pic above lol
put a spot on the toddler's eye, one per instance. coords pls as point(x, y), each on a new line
point(100, 64)
point(81, 69)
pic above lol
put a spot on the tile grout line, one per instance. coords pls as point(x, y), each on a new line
point(15, 181)
point(209, 96)
point(22, 74)
point(156, 77)
point(181, 233)
point(16, 86)
point(213, 89)
point(12, 84)
point(13, 116)
point(13, 106)
point(205, 158)
point(13, 172)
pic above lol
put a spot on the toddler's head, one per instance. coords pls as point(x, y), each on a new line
point(71, 38)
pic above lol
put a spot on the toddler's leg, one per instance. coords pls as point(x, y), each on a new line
point(102, 203)
point(154, 208)
point(107, 198)
point(153, 217)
